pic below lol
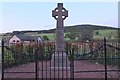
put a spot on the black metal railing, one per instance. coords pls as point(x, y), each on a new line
point(40, 56)
point(100, 55)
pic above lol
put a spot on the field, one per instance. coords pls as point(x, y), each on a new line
point(51, 36)
point(109, 34)
point(97, 34)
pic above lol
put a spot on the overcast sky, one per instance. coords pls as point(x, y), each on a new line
point(38, 15)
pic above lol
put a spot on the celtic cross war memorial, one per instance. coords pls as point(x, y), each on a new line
point(60, 58)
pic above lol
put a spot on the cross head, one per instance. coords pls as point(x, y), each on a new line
point(60, 12)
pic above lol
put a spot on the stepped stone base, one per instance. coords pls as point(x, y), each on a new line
point(60, 61)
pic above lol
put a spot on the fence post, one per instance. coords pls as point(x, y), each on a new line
point(2, 59)
point(36, 64)
point(105, 54)
point(72, 64)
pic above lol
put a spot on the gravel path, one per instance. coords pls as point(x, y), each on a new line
point(80, 68)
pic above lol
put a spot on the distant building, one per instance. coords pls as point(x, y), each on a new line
point(24, 39)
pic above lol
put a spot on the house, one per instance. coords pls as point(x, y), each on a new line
point(24, 39)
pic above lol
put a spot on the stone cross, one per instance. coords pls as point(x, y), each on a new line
point(60, 13)
point(60, 58)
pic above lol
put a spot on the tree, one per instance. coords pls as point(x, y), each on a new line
point(86, 35)
point(97, 33)
point(71, 35)
point(67, 35)
point(45, 38)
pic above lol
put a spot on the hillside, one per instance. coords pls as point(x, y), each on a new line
point(78, 28)
point(75, 32)
point(74, 28)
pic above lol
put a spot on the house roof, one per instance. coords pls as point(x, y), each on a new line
point(27, 37)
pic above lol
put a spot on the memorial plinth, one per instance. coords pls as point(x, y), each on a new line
point(60, 58)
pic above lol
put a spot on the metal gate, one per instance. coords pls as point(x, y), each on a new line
point(33, 62)
point(100, 63)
